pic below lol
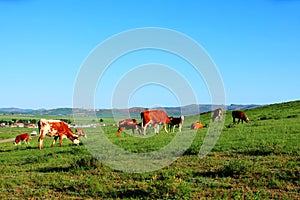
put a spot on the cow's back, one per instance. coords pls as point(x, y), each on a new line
point(158, 116)
point(236, 114)
point(54, 127)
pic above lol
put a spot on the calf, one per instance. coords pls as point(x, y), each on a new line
point(240, 115)
point(80, 132)
point(22, 137)
point(176, 121)
point(218, 113)
point(128, 124)
point(196, 125)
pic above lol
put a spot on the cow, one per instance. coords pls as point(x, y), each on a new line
point(154, 117)
point(196, 125)
point(176, 121)
point(218, 113)
point(80, 132)
point(240, 115)
point(128, 124)
point(22, 137)
point(56, 129)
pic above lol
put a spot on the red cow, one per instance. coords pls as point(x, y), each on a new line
point(56, 129)
point(196, 125)
point(22, 137)
point(154, 117)
point(240, 115)
point(218, 113)
point(80, 132)
point(128, 124)
point(176, 121)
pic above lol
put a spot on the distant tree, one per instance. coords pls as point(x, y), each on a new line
point(101, 120)
point(68, 121)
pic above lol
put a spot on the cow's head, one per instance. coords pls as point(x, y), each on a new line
point(247, 119)
point(80, 132)
point(75, 140)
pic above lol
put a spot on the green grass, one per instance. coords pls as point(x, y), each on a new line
point(258, 160)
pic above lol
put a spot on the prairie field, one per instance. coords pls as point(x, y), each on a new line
point(256, 160)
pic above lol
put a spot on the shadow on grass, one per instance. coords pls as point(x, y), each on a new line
point(6, 150)
point(262, 150)
point(54, 169)
point(133, 193)
point(232, 168)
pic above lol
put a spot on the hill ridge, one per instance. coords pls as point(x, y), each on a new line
point(192, 109)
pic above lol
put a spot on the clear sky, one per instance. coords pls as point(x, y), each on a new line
point(255, 45)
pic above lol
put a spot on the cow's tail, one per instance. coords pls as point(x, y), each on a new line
point(142, 119)
point(39, 126)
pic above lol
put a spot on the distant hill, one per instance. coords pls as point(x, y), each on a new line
point(188, 110)
point(15, 110)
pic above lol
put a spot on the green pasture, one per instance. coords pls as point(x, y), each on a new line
point(256, 160)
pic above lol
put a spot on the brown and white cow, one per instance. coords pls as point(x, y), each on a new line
point(218, 113)
point(154, 117)
point(240, 115)
point(128, 124)
point(22, 137)
point(176, 121)
point(56, 129)
point(196, 125)
point(80, 132)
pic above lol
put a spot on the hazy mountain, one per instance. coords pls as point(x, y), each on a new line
point(15, 110)
point(192, 109)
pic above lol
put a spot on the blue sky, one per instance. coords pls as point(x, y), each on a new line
point(254, 44)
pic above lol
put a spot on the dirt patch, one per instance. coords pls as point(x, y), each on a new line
point(7, 140)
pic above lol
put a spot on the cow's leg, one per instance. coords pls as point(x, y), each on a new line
point(54, 140)
point(139, 129)
point(119, 131)
point(60, 140)
point(157, 129)
point(41, 141)
point(173, 129)
point(179, 127)
point(144, 129)
point(165, 127)
point(239, 120)
point(233, 120)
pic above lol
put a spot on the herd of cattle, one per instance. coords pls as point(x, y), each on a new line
point(149, 118)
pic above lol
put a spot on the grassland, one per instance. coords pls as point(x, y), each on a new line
point(259, 160)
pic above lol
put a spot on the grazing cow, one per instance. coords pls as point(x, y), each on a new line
point(218, 113)
point(196, 125)
point(240, 115)
point(128, 124)
point(80, 132)
point(22, 137)
point(154, 117)
point(176, 121)
point(56, 129)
